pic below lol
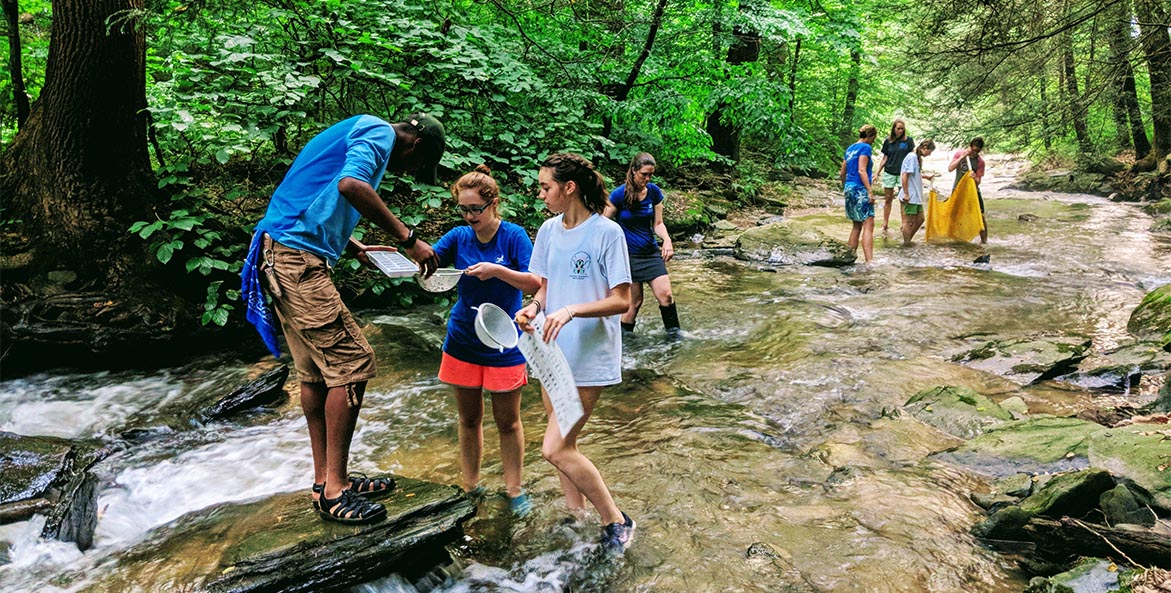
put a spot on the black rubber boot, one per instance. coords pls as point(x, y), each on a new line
point(670, 318)
point(627, 327)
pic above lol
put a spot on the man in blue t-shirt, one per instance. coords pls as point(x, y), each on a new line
point(331, 184)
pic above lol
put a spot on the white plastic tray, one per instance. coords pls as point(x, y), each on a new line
point(393, 263)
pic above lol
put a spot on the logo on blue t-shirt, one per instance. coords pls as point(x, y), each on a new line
point(580, 263)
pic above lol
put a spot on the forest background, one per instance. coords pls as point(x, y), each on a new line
point(140, 139)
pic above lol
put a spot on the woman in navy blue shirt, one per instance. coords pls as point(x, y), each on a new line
point(495, 256)
point(638, 204)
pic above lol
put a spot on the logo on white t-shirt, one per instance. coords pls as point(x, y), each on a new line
point(580, 264)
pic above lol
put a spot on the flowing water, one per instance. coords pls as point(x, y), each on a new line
point(761, 452)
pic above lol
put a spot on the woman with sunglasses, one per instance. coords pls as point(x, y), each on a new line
point(637, 205)
point(495, 257)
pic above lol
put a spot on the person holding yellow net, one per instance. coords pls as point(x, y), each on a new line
point(960, 217)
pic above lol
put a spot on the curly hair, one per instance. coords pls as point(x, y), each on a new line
point(567, 167)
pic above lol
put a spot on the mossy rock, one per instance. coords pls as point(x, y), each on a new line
point(1091, 575)
point(1042, 444)
point(685, 212)
point(1156, 208)
point(1028, 360)
point(1120, 505)
point(1121, 367)
point(1151, 320)
point(1138, 453)
point(1100, 164)
point(787, 242)
point(958, 411)
point(1073, 494)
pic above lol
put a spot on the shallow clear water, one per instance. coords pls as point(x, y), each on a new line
point(766, 428)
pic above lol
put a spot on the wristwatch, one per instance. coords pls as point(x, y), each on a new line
point(409, 242)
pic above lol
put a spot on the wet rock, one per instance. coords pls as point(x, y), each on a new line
point(1005, 524)
point(1091, 575)
point(1063, 181)
point(993, 501)
point(1037, 445)
point(761, 550)
point(265, 391)
point(1151, 320)
point(956, 410)
point(1138, 453)
point(280, 544)
point(1073, 494)
point(1163, 403)
point(48, 474)
point(1157, 208)
point(1028, 360)
point(1121, 368)
point(1018, 485)
point(1016, 406)
point(206, 404)
point(789, 242)
point(1120, 506)
point(1103, 165)
point(1027, 217)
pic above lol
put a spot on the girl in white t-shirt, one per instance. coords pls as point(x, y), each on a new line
point(911, 192)
point(581, 258)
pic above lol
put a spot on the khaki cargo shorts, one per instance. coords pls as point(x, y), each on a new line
point(326, 343)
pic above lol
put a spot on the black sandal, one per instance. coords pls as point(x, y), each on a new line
point(350, 508)
point(371, 487)
point(318, 489)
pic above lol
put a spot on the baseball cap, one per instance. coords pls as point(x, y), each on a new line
point(431, 146)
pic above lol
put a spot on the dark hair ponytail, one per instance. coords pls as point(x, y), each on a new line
point(568, 167)
point(639, 161)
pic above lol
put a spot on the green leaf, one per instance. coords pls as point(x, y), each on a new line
point(222, 156)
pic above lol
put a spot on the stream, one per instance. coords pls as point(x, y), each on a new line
point(762, 452)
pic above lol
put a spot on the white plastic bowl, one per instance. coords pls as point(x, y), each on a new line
point(443, 280)
point(495, 327)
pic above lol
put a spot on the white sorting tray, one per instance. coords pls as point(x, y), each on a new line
point(393, 263)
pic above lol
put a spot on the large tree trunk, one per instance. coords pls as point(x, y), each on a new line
point(848, 134)
point(1157, 48)
point(79, 173)
point(77, 176)
point(1073, 98)
point(1128, 115)
point(19, 96)
point(744, 49)
point(1046, 131)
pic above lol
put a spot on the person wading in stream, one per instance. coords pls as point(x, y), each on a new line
point(331, 184)
point(495, 256)
point(637, 206)
point(855, 176)
point(969, 159)
point(581, 259)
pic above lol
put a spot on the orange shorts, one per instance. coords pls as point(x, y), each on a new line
point(458, 373)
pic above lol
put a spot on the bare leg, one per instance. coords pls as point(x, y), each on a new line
point(854, 235)
point(506, 412)
point(888, 196)
point(635, 302)
point(342, 405)
point(471, 434)
point(868, 239)
point(313, 405)
point(574, 468)
point(661, 288)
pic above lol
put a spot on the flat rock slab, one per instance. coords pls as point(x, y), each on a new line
point(1140, 453)
point(1028, 360)
point(280, 543)
point(1036, 445)
point(791, 242)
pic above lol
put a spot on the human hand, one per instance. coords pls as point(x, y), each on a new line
point(555, 321)
point(668, 251)
point(422, 253)
point(484, 270)
point(365, 259)
point(525, 315)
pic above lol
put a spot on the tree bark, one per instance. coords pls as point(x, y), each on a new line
point(1046, 135)
point(848, 134)
point(79, 173)
point(1157, 49)
point(1073, 99)
point(793, 79)
point(19, 96)
point(622, 91)
point(1127, 112)
point(744, 49)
